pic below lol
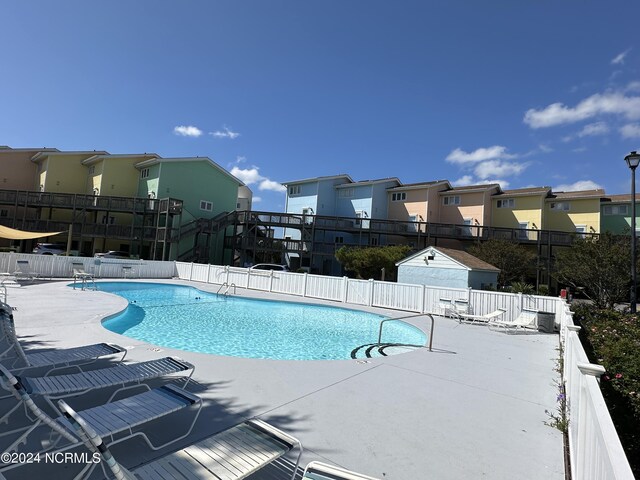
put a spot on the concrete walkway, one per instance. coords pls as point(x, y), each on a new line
point(472, 408)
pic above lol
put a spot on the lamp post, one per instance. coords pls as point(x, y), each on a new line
point(633, 159)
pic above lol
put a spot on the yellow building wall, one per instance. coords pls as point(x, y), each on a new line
point(64, 174)
point(119, 177)
point(581, 212)
point(527, 209)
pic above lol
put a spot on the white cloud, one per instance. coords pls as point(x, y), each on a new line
point(577, 186)
point(267, 184)
point(187, 131)
point(225, 133)
point(479, 155)
point(598, 128)
point(252, 175)
point(619, 59)
point(631, 130)
point(247, 175)
point(633, 86)
point(256, 199)
point(492, 168)
point(606, 103)
point(463, 181)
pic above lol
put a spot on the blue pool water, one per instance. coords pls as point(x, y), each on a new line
point(186, 318)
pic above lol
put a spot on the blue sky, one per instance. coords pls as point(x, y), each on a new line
point(523, 92)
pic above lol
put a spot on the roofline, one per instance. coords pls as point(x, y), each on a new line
point(369, 182)
point(41, 154)
point(476, 188)
point(329, 177)
point(154, 161)
point(515, 193)
point(418, 186)
point(6, 148)
point(95, 158)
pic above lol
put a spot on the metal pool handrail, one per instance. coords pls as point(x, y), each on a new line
point(409, 316)
point(226, 292)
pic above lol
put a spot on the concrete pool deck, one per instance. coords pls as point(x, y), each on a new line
point(472, 408)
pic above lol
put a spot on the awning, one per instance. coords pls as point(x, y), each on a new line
point(13, 234)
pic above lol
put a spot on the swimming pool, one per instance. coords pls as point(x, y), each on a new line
point(186, 318)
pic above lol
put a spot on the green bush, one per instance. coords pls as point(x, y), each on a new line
point(612, 339)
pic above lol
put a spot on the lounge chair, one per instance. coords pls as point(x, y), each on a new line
point(526, 318)
point(124, 375)
point(115, 420)
point(485, 319)
point(232, 454)
point(24, 271)
point(16, 359)
point(324, 471)
point(79, 274)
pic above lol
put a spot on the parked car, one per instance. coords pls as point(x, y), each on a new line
point(112, 254)
point(270, 266)
point(50, 249)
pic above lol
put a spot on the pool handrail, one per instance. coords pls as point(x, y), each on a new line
point(226, 292)
point(409, 316)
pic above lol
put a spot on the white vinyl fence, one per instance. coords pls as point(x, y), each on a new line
point(53, 266)
point(594, 446)
point(373, 293)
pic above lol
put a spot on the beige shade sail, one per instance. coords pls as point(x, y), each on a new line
point(13, 234)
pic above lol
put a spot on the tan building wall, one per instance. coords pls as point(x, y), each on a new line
point(472, 207)
point(17, 171)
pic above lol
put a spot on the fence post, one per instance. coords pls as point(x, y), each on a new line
point(226, 269)
point(423, 302)
point(345, 286)
point(209, 273)
point(371, 286)
point(271, 282)
point(191, 272)
point(520, 301)
point(248, 277)
point(304, 285)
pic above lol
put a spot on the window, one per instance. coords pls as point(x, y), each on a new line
point(412, 226)
point(466, 230)
point(107, 220)
point(4, 212)
point(398, 197)
point(507, 203)
point(451, 200)
point(345, 192)
point(339, 239)
point(92, 169)
point(373, 241)
point(294, 190)
point(581, 230)
point(206, 206)
point(616, 210)
point(560, 206)
point(144, 173)
point(359, 222)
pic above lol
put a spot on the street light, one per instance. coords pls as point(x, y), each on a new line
point(633, 159)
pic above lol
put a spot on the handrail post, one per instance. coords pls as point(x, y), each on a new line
point(410, 316)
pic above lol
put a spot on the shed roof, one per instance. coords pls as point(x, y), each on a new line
point(459, 256)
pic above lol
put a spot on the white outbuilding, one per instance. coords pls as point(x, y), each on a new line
point(445, 267)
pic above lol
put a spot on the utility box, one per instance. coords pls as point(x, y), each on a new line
point(546, 322)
